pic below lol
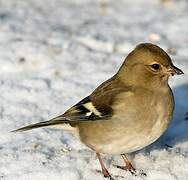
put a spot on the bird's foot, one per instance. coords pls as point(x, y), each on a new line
point(132, 170)
point(107, 174)
point(129, 168)
point(104, 170)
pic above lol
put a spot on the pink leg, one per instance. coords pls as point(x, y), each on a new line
point(104, 170)
point(128, 166)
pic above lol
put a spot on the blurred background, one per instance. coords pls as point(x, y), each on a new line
point(55, 52)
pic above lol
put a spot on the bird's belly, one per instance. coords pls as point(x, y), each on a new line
point(127, 144)
point(123, 138)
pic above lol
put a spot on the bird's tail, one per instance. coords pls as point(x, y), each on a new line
point(53, 122)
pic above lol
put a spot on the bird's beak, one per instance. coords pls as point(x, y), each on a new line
point(173, 70)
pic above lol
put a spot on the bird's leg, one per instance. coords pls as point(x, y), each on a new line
point(104, 170)
point(128, 166)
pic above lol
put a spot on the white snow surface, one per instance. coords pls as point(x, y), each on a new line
point(53, 53)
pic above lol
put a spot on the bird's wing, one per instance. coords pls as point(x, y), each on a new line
point(97, 106)
point(87, 110)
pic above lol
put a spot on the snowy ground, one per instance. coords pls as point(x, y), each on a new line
point(55, 52)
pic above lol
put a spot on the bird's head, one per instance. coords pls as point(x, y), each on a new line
point(149, 65)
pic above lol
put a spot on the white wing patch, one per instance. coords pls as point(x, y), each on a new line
point(92, 109)
point(86, 110)
point(88, 113)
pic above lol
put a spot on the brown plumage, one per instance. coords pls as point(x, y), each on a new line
point(127, 112)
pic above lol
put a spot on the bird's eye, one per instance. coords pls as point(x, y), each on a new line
point(155, 67)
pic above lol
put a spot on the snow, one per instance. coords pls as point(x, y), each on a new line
point(54, 53)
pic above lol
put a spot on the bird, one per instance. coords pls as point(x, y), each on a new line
point(127, 112)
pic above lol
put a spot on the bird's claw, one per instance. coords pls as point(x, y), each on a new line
point(107, 175)
point(131, 169)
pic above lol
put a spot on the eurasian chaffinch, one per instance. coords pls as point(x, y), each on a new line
point(127, 112)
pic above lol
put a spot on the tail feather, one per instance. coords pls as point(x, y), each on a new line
point(52, 122)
